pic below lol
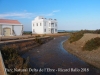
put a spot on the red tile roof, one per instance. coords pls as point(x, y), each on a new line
point(7, 21)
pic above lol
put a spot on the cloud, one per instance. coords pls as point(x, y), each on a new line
point(56, 10)
point(25, 14)
point(17, 15)
point(52, 13)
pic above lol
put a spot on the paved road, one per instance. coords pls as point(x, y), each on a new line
point(52, 55)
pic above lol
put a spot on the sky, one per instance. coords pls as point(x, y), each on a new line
point(70, 14)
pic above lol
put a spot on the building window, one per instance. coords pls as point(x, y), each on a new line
point(55, 30)
point(45, 24)
point(40, 24)
point(52, 24)
point(33, 30)
point(37, 24)
point(44, 30)
point(56, 25)
point(49, 24)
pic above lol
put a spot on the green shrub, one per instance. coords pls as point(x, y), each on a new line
point(27, 32)
point(97, 31)
point(92, 31)
point(38, 40)
point(92, 44)
point(76, 36)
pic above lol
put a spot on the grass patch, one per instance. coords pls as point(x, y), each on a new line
point(76, 36)
point(38, 40)
point(92, 44)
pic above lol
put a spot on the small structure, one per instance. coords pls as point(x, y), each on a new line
point(41, 25)
point(10, 27)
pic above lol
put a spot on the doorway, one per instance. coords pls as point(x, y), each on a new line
point(52, 30)
point(6, 31)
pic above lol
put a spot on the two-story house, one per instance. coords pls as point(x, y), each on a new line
point(41, 25)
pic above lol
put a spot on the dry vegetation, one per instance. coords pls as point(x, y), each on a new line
point(13, 60)
point(11, 54)
point(76, 36)
point(92, 44)
point(86, 46)
point(53, 35)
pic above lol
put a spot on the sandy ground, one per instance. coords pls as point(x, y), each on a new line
point(54, 35)
point(8, 38)
point(75, 48)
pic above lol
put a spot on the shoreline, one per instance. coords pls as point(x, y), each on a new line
point(77, 51)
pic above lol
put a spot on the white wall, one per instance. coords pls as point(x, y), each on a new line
point(45, 22)
point(18, 29)
point(40, 29)
point(37, 29)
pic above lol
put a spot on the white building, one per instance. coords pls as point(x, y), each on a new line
point(10, 27)
point(41, 25)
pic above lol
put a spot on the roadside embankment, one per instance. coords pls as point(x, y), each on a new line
point(75, 48)
point(12, 50)
point(7, 38)
point(2, 67)
point(23, 45)
point(54, 35)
